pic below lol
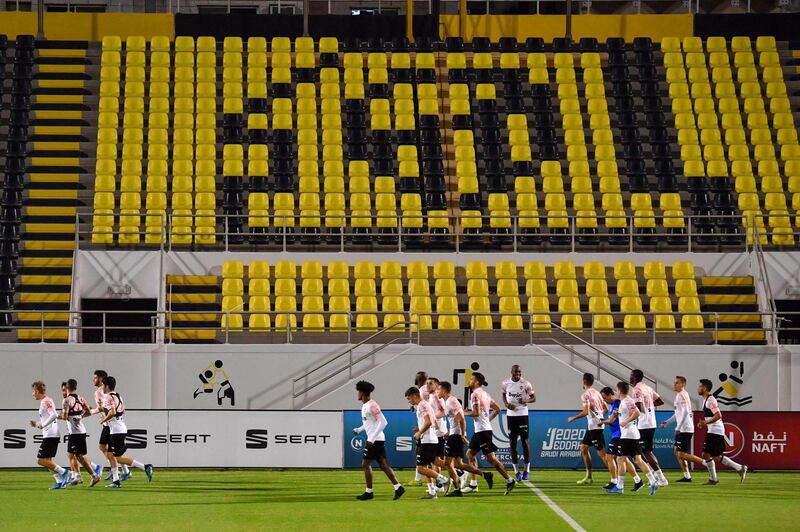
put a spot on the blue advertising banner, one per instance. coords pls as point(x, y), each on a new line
point(554, 442)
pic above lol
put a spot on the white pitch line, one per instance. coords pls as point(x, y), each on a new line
point(556, 508)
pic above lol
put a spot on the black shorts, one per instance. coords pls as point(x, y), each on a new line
point(454, 446)
point(613, 447)
point(440, 447)
point(517, 426)
point(594, 438)
point(683, 441)
point(375, 451)
point(427, 453)
point(482, 441)
point(118, 446)
point(48, 448)
point(646, 439)
point(76, 444)
point(629, 447)
point(105, 435)
point(714, 444)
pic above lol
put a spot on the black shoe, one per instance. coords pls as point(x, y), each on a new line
point(488, 476)
point(684, 479)
point(638, 485)
point(366, 496)
point(454, 493)
point(609, 486)
point(510, 486)
point(398, 492)
point(710, 482)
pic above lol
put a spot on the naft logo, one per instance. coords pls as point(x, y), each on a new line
point(734, 440)
point(356, 443)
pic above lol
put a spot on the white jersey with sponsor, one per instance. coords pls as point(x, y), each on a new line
point(74, 405)
point(438, 408)
point(47, 418)
point(452, 408)
point(647, 397)
point(483, 401)
point(424, 413)
point(117, 423)
point(514, 392)
point(710, 407)
point(99, 395)
point(593, 401)
point(371, 415)
point(684, 416)
point(626, 408)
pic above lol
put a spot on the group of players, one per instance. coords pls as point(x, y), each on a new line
point(111, 407)
point(630, 411)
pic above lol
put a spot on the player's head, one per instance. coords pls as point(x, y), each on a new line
point(704, 387)
point(72, 385)
point(109, 383)
point(623, 388)
point(636, 377)
point(588, 380)
point(412, 396)
point(477, 380)
point(420, 378)
point(99, 375)
point(679, 384)
point(608, 394)
point(64, 389)
point(516, 372)
point(431, 384)
point(39, 388)
point(364, 390)
point(444, 389)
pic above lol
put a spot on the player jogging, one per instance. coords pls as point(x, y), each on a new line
point(647, 400)
point(114, 409)
point(373, 423)
point(105, 434)
point(419, 381)
point(593, 409)
point(456, 440)
point(49, 445)
point(73, 409)
point(629, 446)
point(517, 394)
point(684, 429)
point(614, 444)
point(484, 410)
point(428, 442)
point(432, 387)
point(714, 445)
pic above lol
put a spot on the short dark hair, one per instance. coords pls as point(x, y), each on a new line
point(481, 379)
point(637, 375)
point(624, 387)
point(420, 378)
point(412, 391)
point(101, 373)
point(444, 385)
point(681, 378)
point(110, 381)
point(706, 384)
point(64, 384)
point(588, 379)
point(434, 379)
point(72, 385)
point(39, 386)
point(607, 391)
point(365, 387)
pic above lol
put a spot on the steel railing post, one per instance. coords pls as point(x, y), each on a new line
point(104, 327)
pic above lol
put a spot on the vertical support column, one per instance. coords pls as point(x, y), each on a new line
point(410, 20)
point(462, 18)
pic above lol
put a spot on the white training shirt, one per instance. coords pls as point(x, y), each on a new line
point(373, 421)
point(438, 409)
point(47, 418)
point(74, 405)
point(115, 424)
point(483, 401)
point(425, 410)
point(451, 408)
point(514, 391)
point(99, 394)
point(631, 430)
point(684, 417)
point(647, 397)
point(593, 401)
point(710, 407)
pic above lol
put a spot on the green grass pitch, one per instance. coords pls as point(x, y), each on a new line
point(324, 500)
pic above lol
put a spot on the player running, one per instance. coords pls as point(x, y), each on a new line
point(425, 433)
point(647, 400)
point(456, 440)
point(593, 409)
point(614, 444)
point(714, 444)
point(373, 424)
point(684, 429)
point(49, 445)
point(630, 446)
point(484, 410)
point(114, 409)
point(105, 434)
point(517, 394)
point(432, 387)
point(419, 381)
point(73, 410)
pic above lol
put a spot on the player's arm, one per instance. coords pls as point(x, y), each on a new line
point(425, 426)
point(716, 417)
point(495, 410)
point(657, 400)
point(462, 424)
point(582, 413)
point(382, 423)
point(634, 415)
point(474, 411)
point(359, 430)
point(52, 415)
point(670, 420)
point(531, 394)
point(610, 419)
point(109, 415)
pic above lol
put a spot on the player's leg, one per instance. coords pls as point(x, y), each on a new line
point(389, 472)
point(611, 463)
point(120, 447)
point(526, 450)
point(587, 462)
point(739, 468)
point(492, 459)
point(513, 436)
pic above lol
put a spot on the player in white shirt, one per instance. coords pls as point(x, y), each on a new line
point(373, 423)
point(105, 433)
point(684, 429)
point(629, 444)
point(714, 444)
point(49, 445)
point(647, 400)
point(517, 395)
point(73, 409)
point(419, 381)
point(114, 408)
point(425, 433)
point(594, 408)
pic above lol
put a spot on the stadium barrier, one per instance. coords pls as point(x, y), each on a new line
point(325, 439)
